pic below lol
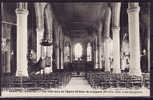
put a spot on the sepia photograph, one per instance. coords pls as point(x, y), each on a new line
point(75, 49)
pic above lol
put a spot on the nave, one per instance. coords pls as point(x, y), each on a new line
point(49, 45)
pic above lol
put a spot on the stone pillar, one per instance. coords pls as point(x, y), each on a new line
point(40, 33)
point(61, 48)
point(49, 34)
point(8, 62)
point(148, 49)
point(22, 40)
point(148, 38)
point(57, 57)
point(61, 56)
point(116, 49)
point(116, 36)
point(85, 50)
point(57, 48)
point(49, 52)
point(108, 53)
point(99, 45)
point(62, 60)
point(43, 56)
point(96, 54)
point(43, 52)
point(107, 39)
point(66, 52)
point(134, 38)
point(89, 51)
point(39, 9)
point(93, 50)
point(71, 52)
point(7, 55)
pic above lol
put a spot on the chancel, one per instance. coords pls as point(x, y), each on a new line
point(50, 44)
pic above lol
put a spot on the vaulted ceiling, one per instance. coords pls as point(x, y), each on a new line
point(77, 18)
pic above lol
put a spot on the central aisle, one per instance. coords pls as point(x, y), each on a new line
point(78, 83)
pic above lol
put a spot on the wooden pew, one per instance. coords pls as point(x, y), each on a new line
point(105, 80)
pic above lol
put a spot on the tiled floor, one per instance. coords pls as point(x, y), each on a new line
point(78, 83)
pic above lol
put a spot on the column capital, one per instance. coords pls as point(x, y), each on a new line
point(115, 28)
point(116, 4)
point(46, 42)
point(133, 10)
point(22, 11)
point(22, 8)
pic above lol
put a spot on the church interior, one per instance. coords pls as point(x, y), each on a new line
point(50, 44)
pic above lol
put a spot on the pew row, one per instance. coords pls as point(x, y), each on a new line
point(106, 80)
point(53, 80)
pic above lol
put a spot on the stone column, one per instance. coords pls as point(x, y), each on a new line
point(116, 49)
point(99, 45)
point(71, 52)
point(148, 38)
point(148, 48)
point(39, 9)
point(62, 60)
point(57, 57)
point(107, 53)
point(8, 62)
point(40, 33)
point(85, 50)
point(43, 56)
point(89, 50)
point(57, 48)
point(61, 48)
point(43, 52)
point(7, 55)
point(66, 52)
point(22, 40)
point(96, 54)
point(49, 52)
point(93, 50)
point(116, 36)
point(134, 38)
point(107, 39)
point(49, 38)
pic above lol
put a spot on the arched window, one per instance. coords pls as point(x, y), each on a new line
point(78, 51)
point(89, 52)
